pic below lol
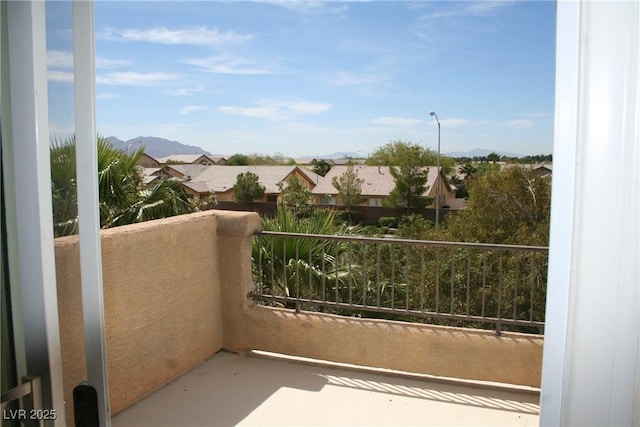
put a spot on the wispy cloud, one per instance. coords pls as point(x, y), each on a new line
point(64, 59)
point(262, 112)
point(59, 59)
point(309, 6)
point(108, 63)
point(480, 8)
point(226, 64)
point(277, 109)
point(190, 108)
point(60, 76)
point(185, 91)
point(197, 36)
point(430, 24)
point(520, 124)
point(396, 121)
point(136, 79)
point(452, 10)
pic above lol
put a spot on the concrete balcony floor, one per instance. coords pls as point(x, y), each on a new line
point(259, 390)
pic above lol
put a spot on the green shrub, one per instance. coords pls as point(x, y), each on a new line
point(389, 221)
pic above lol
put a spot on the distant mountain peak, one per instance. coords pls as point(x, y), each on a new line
point(156, 146)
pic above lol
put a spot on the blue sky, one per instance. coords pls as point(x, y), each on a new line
point(314, 77)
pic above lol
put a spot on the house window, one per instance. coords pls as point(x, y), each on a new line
point(375, 202)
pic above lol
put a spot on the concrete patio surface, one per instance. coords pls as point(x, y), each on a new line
point(254, 390)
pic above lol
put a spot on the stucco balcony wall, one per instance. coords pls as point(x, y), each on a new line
point(176, 292)
point(162, 304)
point(426, 349)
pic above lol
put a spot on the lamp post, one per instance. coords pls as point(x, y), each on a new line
point(433, 114)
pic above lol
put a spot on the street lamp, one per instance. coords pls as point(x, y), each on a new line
point(433, 114)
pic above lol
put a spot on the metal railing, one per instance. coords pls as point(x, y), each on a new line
point(501, 287)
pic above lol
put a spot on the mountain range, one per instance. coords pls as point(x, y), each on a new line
point(155, 146)
point(161, 147)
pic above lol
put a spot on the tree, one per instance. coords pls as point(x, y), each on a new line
point(260, 159)
point(295, 196)
point(493, 157)
point(165, 198)
point(279, 263)
point(123, 196)
point(461, 188)
point(238, 160)
point(410, 187)
point(509, 207)
point(468, 170)
point(349, 188)
point(322, 167)
point(398, 153)
point(247, 188)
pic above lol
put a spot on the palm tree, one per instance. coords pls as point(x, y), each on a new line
point(164, 199)
point(493, 157)
point(312, 268)
point(123, 197)
point(468, 170)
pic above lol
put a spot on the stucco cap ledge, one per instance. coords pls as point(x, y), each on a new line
point(237, 224)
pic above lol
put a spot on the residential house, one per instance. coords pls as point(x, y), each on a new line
point(147, 161)
point(182, 171)
point(194, 159)
point(218, 160)
point(544, 169)
point(378, 184)
point(306, 161)
point(150, 175)
point(345, 161)
point(219, 180)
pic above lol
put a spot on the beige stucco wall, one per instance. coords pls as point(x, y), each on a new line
point(162, 303)
point(176, 292)
point(436, 350)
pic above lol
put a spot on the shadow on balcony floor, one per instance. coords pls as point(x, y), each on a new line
point(231, 389)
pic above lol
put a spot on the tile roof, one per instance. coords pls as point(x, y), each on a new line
point(220, 179)
point(149, 171)
point(378, 180)
point(216, 159)
point(198, 187)
point(305, 160)
point(187, 170)
point(184, 158)
point(346, 161)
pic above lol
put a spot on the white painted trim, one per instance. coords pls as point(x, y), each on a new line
point(30, 137)
point(88, 205)
point(591, 355)
point(10, 205)
point(562, 210)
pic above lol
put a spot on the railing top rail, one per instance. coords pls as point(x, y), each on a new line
point(435, 243)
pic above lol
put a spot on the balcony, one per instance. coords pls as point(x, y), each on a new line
point(181, 309)
point(263, 390)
